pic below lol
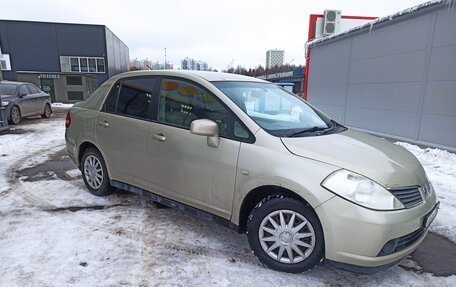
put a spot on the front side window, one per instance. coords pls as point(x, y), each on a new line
point(23, 90)
point(275, 110)
point(134, 98)
point(182, 102)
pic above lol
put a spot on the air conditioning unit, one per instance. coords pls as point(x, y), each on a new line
point(331, 22)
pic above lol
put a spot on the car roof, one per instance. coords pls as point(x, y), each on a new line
point(207, 75)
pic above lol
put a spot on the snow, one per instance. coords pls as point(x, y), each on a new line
point(450, 4)
point(440, 167)
point(61, 105)
point(54, 233)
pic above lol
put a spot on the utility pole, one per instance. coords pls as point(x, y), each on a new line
point(1, 75)
point(165, 60)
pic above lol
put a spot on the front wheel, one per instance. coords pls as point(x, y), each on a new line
point(94, 173)
point(15, 115)
point(285, 235)
point(47, 112)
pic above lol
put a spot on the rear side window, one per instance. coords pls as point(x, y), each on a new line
point(131, 97)
point(33, 89)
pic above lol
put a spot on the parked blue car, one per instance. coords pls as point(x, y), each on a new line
point(23, 100)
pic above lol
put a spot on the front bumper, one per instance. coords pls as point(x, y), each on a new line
point(355, 236)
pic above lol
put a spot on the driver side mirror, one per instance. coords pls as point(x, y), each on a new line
point(21, 95)
point(209, 128)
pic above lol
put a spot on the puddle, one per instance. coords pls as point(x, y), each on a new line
point(58, 164)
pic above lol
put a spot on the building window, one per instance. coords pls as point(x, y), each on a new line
point(100, 65)
point(84, 67)
point(75, 95)
point(74, 80)
point(82, 64)
point(74, 64)
point(5, 64)
point(92, 65)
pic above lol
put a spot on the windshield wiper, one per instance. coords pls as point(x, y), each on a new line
point(321, 130)
point(308, 130)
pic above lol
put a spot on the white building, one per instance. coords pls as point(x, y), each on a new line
point(274, 58)
point(192, 64)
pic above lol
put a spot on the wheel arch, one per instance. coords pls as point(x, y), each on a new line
point(258, 194)
point(83, 146)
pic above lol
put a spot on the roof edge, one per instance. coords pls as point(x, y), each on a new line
point(384, 19)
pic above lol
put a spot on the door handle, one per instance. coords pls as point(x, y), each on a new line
point(103, 124)
point(159, 137)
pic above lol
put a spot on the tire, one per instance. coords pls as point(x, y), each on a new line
point(47, 112)
point(287, 238)
point(94, 173)
point(15, 115)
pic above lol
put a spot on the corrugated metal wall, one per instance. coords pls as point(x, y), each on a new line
point(399, 79)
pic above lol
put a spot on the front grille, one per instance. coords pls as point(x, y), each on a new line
point(400, 243)
point(409, 197)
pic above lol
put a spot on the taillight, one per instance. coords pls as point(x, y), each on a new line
point(68, 120)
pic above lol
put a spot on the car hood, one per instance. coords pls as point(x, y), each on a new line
point(6, 97)
point(378, 159)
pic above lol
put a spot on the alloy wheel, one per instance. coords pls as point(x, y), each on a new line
point(15, 115)
point(287, 236)
point(47, 111)
point(93, 172)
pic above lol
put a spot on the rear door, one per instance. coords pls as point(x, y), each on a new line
point(122, 129)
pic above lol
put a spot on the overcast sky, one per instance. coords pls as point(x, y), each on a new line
point(218, 32)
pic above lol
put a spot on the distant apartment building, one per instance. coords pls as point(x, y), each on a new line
point(139, 64)
point(149, 65)
point(192, 64)
point(274, 58)
point(160, 66)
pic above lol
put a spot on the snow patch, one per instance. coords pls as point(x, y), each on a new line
point(61, 105)
point(440, 167)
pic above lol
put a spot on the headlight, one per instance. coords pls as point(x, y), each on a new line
point(361, 190)
point(4, 103)
point(427, 188)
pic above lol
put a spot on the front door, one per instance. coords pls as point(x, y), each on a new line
point(182, 163)
point(122, 130)
point(26, 102)
point(47, 85)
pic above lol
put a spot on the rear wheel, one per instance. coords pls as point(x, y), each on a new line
point(94, 173)
point(47, 112)
point(15, 115)
point(285, 235)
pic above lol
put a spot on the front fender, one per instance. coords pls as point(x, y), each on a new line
point(265, 166)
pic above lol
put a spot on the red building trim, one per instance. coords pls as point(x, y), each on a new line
point(311, 35)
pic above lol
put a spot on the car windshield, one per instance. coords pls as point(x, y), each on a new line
point(277, 111)
point(8, 89)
